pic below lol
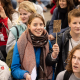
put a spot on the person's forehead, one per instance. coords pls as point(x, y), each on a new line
point(77, 53)
point(74, 17)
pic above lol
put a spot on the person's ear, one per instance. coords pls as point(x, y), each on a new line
point(69, 24)
point(28, 26)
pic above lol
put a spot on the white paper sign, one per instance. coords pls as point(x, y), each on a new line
point(33, 74)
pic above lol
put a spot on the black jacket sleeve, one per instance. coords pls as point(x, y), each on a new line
point(49, 61)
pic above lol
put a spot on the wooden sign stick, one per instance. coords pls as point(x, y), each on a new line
point(56, 37)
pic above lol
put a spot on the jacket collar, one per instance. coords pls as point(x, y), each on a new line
point(67, 35)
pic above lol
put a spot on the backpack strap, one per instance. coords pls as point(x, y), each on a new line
point(17, 32)
point(67, 75)
point(7, 30)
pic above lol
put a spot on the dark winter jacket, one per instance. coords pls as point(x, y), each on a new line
point(64, 48)
point(55, 16)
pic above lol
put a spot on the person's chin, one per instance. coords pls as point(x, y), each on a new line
point(24, 22)
point(38, 35)
point(75, 70)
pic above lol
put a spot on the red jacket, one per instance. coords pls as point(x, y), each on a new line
point(3, 32)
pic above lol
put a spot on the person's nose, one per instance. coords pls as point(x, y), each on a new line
point(38, 26)
point(78, 24)
point(22, 16)
point(76, 61)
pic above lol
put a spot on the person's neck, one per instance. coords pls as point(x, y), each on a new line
point(75, 37)
point(77, 74)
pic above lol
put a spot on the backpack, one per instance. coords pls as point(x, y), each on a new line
point(67, 75)
point(10, 53)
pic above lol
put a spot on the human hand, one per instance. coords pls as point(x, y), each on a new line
point(28, 77)
point(2, 12)
point(51, 37)
point(55, 50)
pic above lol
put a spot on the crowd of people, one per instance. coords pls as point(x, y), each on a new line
point(28, 51)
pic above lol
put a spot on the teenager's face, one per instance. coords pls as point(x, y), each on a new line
point(24, 15)
point(76, 61)
point(36, 27)
point(75, 25)
point(62, 3)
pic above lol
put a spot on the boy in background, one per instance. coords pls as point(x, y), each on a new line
point(65, 42)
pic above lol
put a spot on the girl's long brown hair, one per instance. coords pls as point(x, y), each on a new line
point(69, 59)
point(8, 8)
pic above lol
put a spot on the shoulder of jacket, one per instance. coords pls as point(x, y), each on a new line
point(56, 9)
point(13, 30)
point(56, 12)
point(67, 32)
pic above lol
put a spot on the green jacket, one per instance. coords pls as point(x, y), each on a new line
point(10, 45)
point(21, 28)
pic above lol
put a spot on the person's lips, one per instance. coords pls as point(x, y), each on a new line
point(75, 67)
point(78, 29)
